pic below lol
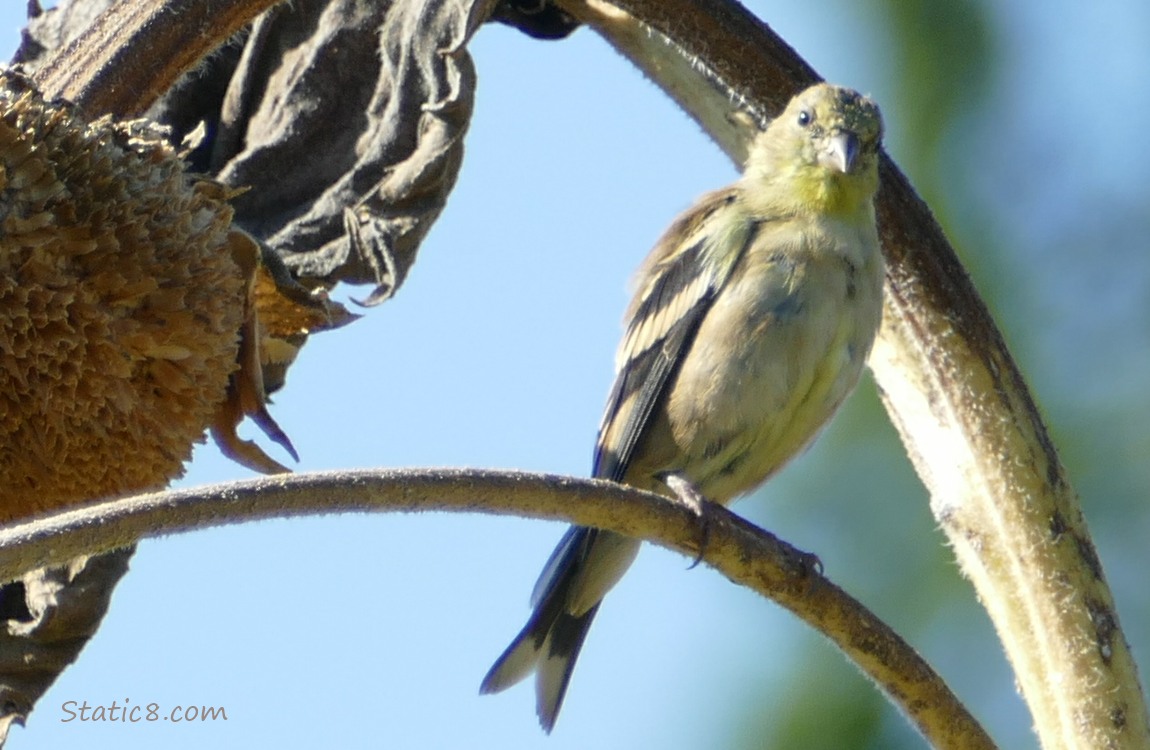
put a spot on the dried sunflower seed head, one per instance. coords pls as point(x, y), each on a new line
point(121, 307)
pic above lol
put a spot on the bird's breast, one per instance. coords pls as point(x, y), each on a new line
point(779, 351)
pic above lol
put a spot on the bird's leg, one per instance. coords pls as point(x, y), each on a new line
point(690, 497)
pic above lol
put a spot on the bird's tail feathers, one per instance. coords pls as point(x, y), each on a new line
point(557, 662)
point(550, 641)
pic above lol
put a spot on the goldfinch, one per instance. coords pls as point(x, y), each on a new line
point(753, 317)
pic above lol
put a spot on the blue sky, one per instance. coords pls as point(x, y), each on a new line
point(374, 631)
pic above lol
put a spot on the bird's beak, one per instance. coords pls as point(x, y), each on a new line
point(842, 151)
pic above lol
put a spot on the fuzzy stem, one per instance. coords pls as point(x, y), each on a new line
point(742, 552)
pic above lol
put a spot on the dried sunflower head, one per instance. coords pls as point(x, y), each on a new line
point(121, 306)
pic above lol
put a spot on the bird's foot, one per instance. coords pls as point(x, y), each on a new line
point(690, 497)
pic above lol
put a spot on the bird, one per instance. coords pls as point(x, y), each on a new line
point(752, 320)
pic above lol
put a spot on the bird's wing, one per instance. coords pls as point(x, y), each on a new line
point(681, 279)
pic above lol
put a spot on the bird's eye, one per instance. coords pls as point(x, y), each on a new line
point(804, 118)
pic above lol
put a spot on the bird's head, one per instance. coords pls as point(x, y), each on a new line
point(821, 153)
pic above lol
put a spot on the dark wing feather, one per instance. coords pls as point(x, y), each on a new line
point(646, 375)
point(664, 319)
